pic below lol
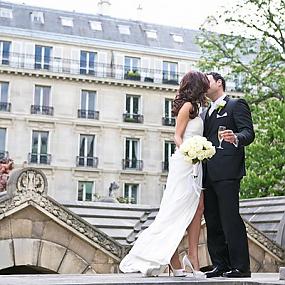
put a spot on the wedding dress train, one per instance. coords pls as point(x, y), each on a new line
point(156, 245)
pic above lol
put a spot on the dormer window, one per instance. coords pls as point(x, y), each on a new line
point(151, 34)
point(37, 17)
point(6, 13)
point(66, 22)
point(177, 38)
point(124, 29)
point(95, 26)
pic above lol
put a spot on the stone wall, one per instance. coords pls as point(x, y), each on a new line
point(29, 237)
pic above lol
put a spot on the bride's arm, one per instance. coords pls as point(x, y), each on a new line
point(181, 123)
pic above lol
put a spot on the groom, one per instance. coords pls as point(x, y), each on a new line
point(226, 233)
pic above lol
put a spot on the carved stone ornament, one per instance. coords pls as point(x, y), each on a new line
point(26, 180)
point(30, 180)
point(265, 241)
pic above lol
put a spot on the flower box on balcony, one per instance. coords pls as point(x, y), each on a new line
point(133, 75)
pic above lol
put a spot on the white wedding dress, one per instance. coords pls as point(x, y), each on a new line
point(156, 245)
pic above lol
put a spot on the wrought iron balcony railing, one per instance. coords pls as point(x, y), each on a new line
point(133, 118)
point(4, 154)
point(132, 164)
point(43, 110)
point(165, 166)
point(88, 114)
point(86, 161)
point(5, 107)
point(99, 70)
point(39, 158)
point(168, 121)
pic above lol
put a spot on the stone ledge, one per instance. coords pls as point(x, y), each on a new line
point(126, 279)
point(282, 273)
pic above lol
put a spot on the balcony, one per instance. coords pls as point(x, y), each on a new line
point(5, 107)
point(132, 164)
point(63, 66)
point(170, 81)
point(42, 110)
point(166, 121)
point(4, 154)
point(132, 75)
point(88, 114)
point(133, 118)
point(39, 158)
point(86, 161)
point(165, 166)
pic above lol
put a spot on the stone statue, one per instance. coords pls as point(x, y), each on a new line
point(113, 187)
point(6, 165)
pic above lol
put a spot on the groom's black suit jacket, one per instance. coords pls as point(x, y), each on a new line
point(228, 163)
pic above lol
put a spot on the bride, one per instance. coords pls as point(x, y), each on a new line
point(181, 207)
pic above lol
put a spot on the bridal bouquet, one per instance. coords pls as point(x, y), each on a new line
point(197, 149)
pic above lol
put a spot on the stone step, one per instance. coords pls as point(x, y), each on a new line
point(126, 279)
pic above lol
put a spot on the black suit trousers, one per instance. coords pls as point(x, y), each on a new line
point(226, 233)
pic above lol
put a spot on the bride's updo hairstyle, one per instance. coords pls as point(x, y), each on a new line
point(192, 88)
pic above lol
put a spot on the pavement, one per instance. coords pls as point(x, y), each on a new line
point(138, 279)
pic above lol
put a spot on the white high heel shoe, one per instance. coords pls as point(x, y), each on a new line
point(177, 272)
point(196, 273)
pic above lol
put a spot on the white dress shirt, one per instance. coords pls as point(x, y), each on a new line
point(215, 104)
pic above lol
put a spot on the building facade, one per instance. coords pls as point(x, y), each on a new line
point(87, 99)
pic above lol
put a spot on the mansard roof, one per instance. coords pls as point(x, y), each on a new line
point(110, 28)
point(124, 223)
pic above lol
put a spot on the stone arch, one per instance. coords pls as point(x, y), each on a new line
point(42, 254)
point(30, 237)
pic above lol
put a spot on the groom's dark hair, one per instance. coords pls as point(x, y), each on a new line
point(217, 76)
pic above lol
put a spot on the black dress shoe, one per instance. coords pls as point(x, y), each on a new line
point(236, 273)
point(216, 272)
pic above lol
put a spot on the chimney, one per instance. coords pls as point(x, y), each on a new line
point(139, 12)
point(104, 7)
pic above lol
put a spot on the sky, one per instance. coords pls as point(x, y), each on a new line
point(181, 13)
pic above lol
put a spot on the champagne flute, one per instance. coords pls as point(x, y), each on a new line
point(220, 137)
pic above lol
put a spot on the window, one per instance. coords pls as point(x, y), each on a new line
point(37, 17)
point(86, 151)
point(42, 101)
point(96, 26)
point(132, 104)
point(5, 52)
point(132, 113)
point(6, 13)
point(177, 38)
point(132, 154)
point(124, 29)
point(85, 191)
point(42, 57)
point(132, 67)
point(4, 105)
point(67, 22)
point(2, 142)
point(132, 64)
point(170, 75)
point(169, 148)
point(168, 120)
point(88, 105)
point(131, 193)
point(151, 34)
point(40, 148)
point(87, 62)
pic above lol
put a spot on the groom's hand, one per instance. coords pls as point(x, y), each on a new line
point(229, 136)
